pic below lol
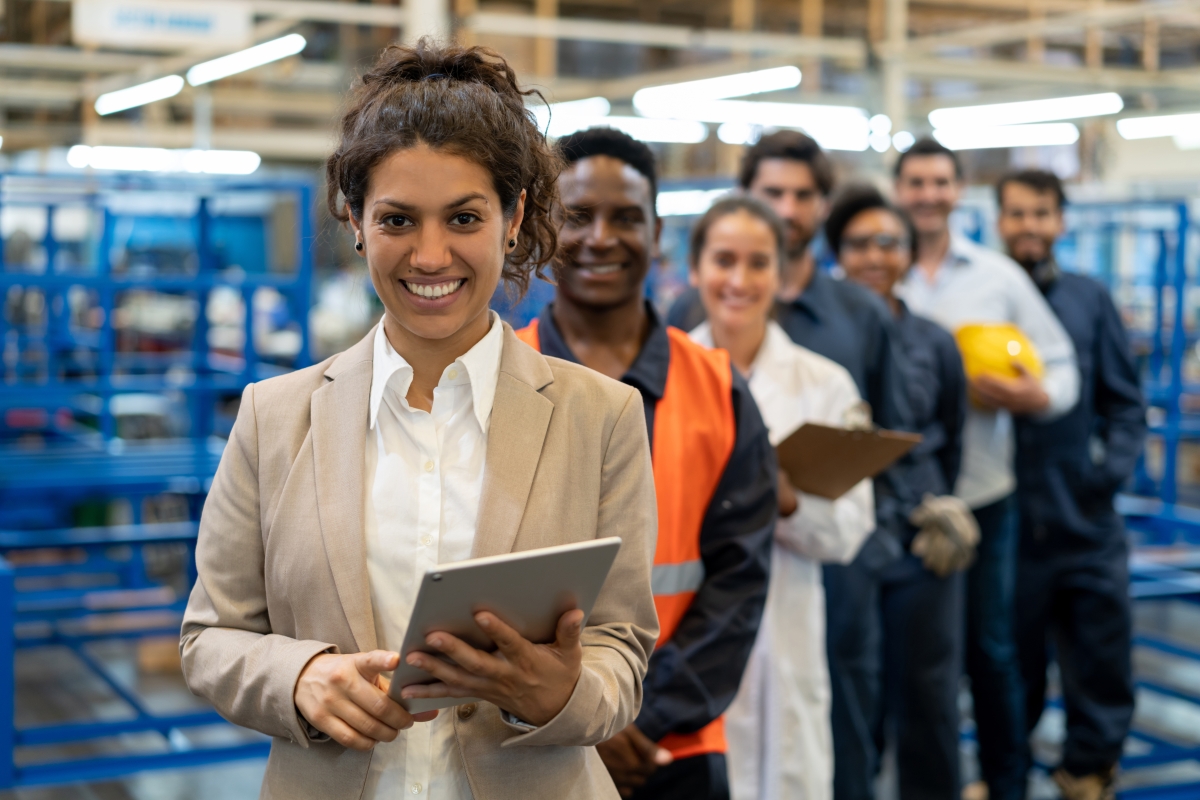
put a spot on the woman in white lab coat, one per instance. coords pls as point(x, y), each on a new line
point(778, 727)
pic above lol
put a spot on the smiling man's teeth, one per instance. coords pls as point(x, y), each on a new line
point(433, 291)
point(603, 269)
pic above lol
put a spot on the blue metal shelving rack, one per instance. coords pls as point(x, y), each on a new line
point(64, 373)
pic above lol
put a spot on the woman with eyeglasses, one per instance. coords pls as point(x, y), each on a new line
point(921, 594)
point(778, 727)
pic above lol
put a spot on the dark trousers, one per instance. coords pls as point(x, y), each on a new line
point(1074, 606)
point(991, 653)
point(696, 778)
point(922, 662)
point(853, 643)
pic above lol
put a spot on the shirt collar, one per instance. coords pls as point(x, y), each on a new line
point(647, 374)
point(479, 367)
point(1045, 272)
point(815, 296)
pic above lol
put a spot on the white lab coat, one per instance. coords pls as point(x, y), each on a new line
point(778, 729)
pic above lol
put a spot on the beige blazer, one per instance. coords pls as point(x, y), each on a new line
point(282, 572)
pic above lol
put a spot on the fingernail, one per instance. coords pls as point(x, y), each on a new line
point(414, 660)
point(434, 641)
point(483, 621)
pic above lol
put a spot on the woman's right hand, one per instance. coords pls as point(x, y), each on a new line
point(345, 696)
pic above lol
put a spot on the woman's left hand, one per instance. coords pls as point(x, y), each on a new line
point(533, 682)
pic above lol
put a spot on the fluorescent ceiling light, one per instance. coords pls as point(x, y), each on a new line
point(559, 119)
point(834, 127)
point(739, 85)
point(157, 159)
point(140, 95)
point(1153, 127)
point(738, 133)
point(687, 202)
point(246, 59)
point(1088, 105)
point(1050, 133)
point(647, 130)
point(1188, 141)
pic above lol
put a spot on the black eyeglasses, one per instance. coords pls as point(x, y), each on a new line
point(884, 241)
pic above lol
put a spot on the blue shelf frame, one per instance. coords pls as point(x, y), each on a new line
point(79, 465)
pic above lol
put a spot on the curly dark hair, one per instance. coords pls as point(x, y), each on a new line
point(853, 200)
point(464, 100)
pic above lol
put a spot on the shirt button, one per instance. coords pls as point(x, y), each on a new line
point(429, 466)
point(426, 541)
point(465, 712)
point(452, 374)
point(416, 788)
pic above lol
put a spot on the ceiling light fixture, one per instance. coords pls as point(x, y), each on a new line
point(140, 95)
point(834, 127)
point(1154, 127)
point(687, 202)
point(246, 59)
point(559, 119)
point(739, 85)
point(1027, 111)
point(157, 159)
point(903, 140)
point(1050, 133)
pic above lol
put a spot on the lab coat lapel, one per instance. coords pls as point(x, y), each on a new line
point(520, 419)
point(339, 431)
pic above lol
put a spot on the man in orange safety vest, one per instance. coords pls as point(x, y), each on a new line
point(714, 469)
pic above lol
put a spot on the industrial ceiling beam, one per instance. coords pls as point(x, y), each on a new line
point(998, 71)
point(851, 51)
point(1072, 23)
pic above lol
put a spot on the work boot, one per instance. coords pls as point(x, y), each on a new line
point(1096, 786)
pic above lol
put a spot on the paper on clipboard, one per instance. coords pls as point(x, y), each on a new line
point(828, 461)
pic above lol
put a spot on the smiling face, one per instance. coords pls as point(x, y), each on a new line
point(1030, 221)
point(737, 273)
point(609, 233)
point(876, 251)
point(790, 189)
point(435, 238)
point(928, 189)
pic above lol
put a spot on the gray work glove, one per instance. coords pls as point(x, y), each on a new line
point(947, 536)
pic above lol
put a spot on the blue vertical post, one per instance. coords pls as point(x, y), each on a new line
point(8, 654)
point(201, 400)
point(107, 297)
point(1178, 347)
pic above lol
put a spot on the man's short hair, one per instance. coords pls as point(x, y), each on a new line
point(928, 146)
point(788, 146)
point(1040, 180)
point(617, 144)
point(854, 200)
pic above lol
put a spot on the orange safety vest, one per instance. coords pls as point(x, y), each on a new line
point(694, 433)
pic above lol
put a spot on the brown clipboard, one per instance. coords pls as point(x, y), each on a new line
point(828, 461)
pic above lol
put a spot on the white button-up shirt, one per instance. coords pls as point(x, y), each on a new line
point(975, 284)
point(424, 475)
point(780, 742)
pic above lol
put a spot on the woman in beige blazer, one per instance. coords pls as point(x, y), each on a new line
point(322, 510)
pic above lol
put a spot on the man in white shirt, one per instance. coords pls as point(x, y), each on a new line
point(956, 282)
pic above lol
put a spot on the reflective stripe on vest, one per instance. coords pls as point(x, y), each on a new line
point(694, 434)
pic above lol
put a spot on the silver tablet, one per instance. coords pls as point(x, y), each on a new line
point(529, 590)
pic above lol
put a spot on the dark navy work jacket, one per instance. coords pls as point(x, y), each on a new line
point(1068, 470)
point(937, 396)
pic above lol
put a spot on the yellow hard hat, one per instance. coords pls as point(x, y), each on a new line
point(990, 348)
